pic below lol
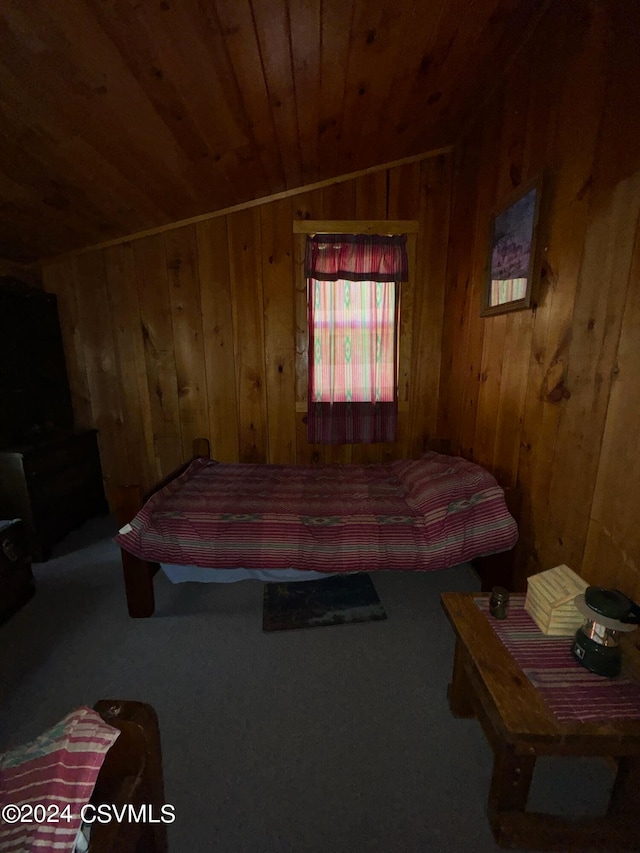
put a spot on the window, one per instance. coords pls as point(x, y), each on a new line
point(353, 325)
point(353, 292)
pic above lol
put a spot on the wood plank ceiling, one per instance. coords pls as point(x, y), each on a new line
point(117, 116)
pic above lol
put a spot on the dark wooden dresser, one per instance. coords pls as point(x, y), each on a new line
point(53, 484)
point(16, 579)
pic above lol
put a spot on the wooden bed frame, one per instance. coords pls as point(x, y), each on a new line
point(139, 573)
point(131, 773)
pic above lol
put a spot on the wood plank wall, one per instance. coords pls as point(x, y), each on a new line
point(550, 397)
point(202, 331)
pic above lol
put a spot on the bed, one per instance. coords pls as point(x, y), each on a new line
point(407, 515)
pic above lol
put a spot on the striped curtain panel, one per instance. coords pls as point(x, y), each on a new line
point(353, 313)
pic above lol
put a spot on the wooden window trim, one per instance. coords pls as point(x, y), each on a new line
point(355, 226)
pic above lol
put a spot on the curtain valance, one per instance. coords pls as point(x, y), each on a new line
point(357, 257)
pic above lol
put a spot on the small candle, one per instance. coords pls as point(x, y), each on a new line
point(499, 602)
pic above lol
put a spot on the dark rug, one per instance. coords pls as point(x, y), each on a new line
point(338, 600)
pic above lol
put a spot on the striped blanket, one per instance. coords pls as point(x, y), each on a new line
point(45, 784)
point(571, 692)
point(423, 514)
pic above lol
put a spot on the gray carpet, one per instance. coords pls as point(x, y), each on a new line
point(334, 740)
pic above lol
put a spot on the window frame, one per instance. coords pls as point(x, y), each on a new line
point(301, 229)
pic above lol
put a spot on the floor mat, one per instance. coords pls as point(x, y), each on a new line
point(338, 600)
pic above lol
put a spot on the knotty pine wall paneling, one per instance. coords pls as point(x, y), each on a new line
point(248, 332)
point(505, 344)
point(453, 414)
point(427, 311)
point(280, 329)
point(156, 327)
point(574, 125)
point(124, 306)
point(613, 538)
point(181, 249)
point(404, 195)
point(305, 206)
point(553, 408)
point(60, 280)
point(102, 361)
point(557, 92)
point(201, 330)
point(612, 552)
point(606, 289)
point(218, 335)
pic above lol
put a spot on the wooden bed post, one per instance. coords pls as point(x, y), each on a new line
point(131, 773)
point(138, 584)
point(499, 569)
point(125, 501)
point(138, 574)
point(201, 449)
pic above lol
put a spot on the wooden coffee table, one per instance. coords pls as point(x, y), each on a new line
point(489, 684)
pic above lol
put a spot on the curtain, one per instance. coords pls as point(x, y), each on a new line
point(353, 309)
point(357, 257)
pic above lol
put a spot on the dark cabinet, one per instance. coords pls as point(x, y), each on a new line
point(34, 390)
point(50, 475)
point(16, 579)
point(53, 485)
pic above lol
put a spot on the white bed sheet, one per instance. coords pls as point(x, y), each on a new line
point(181, 574)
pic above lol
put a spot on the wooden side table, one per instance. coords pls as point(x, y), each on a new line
point(488, 683)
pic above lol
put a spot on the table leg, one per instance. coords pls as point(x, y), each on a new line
point(460, 690)
point(510, 785)
point(625, 794)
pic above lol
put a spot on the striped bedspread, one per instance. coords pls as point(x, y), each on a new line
point(423, 514)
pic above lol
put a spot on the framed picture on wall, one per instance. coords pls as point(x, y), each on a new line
point(512, 253)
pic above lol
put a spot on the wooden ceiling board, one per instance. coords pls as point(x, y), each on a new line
point(179, 90)
point(305, 21)
point(335, 39)
point(84, 86)
point(413, 107)
point(235, 22)
point(54, 104)
point(120, 116)
point(371, 68)
point(492, 33)
point(389, 42)
point(274, 40)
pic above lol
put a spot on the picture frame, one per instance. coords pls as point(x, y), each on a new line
point(512, 252)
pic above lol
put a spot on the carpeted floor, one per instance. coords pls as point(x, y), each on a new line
point(330, 741)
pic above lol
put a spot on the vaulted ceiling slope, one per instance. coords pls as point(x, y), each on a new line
point(117, 116)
